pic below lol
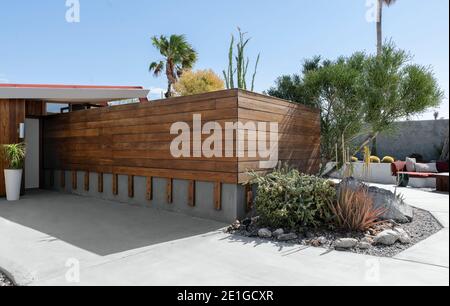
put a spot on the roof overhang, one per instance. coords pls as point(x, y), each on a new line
point(71, 93)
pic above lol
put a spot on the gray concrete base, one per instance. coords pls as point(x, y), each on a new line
point(233, 195)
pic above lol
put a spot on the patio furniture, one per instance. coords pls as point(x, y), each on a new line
point(442, 182)
point(404, 176)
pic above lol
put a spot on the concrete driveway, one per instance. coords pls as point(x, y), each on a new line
point(47, 236)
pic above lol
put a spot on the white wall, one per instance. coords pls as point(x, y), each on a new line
point(381, 174)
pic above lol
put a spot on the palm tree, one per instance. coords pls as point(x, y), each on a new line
point(380, 23)
point(178, 56)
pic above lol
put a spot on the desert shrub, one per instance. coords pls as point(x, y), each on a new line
point(286, 198)
point(375, 160)
point(355, 159)
point(388, 160)
point(198, 82)
point(354, 209)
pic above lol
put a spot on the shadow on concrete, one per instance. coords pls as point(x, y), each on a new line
point(99, 226)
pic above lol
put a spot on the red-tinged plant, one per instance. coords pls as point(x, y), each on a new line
point(354, 209)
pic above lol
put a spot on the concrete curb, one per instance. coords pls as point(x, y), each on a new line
point(17, 274)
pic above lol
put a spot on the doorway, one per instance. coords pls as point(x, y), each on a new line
point(32, 158)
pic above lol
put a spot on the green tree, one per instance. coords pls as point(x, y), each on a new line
point(197, 82)
point(361, 95)
point(178, 55)
point(392, 88)
point(331, 86)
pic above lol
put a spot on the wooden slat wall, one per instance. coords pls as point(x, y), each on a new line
point(135, 139)
point(35, 108)
point(12, 113)
point(298, 132)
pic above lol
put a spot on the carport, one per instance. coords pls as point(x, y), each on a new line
point(125, 153)
point(24, 107)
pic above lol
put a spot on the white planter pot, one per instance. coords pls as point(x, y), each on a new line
point(13, 182)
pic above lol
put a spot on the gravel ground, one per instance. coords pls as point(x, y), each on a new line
point(4, 281)
point(423, 226)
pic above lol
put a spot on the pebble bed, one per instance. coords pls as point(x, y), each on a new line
point(423, 226)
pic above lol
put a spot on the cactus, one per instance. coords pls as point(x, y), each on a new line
point(242, 64)
point(375, 160)
point(388, 160)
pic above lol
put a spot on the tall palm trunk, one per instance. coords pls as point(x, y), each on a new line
point(171, 79)
point(379, 51)
point(380, 27)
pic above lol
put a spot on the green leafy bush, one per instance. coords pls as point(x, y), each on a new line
point(289, 199)
point(388, 160)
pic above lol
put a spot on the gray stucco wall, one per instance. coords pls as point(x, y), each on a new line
point(233, 196)
point(423, 137)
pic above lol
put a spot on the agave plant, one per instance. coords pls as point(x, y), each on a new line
point(14, 155)
point(354, 209)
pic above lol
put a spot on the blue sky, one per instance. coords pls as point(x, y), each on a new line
point(111, 43)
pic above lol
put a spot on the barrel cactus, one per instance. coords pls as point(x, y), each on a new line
point(388, 160)
point(375, 160)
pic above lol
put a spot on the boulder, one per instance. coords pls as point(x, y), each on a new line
point(387, 237)
point(346, 243)
point(364, 245)
point(264, 233)
point(287, 237)
point(278, 232)
point(396, 208)
point(404, 237)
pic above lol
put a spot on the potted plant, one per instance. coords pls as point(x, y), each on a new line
point(14, 154)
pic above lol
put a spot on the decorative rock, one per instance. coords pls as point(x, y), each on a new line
point(396, 208)
point(236, 225)
point(387, 237)
point(404, 237)
point(322, 240)
point(364, 245)
point(367, 239)
point(278, 232)
point(264, 233)
point(345, 243)
point(287, 237)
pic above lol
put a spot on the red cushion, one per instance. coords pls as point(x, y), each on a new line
point(398, 166)
point(418, 174)
point(442, 166)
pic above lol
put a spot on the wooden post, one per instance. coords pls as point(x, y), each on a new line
point(218, 195)
point(86, 181)
point(149, 188)
point(115, 184)
point(169, 190)
point(191, 193)
point(130, 186)
point(74, 180)
point(100, 182)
